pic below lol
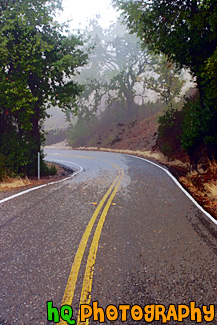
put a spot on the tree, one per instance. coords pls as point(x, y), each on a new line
point(185, 31)
point(126, 62)
point(116, 61)
point(37, 62)
point(164, 79)
point(118, 75)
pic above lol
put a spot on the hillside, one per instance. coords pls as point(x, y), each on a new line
point(139, 137)
point(135, 135)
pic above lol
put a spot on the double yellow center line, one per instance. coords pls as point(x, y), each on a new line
point(85, 297)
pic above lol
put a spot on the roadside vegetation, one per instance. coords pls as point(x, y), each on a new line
point(37, 63)
point(186, 32)
point(124, 83)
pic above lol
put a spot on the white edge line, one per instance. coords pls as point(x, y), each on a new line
point(44, 185)
point(179, 185)
point(81, 169)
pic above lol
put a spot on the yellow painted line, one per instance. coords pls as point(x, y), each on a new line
point(73, 156)
point(70, 287)
point(88, 277)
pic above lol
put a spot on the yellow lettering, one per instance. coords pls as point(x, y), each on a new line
point(195, 312)
point(112, 313)
point(209, 314)
point(149, 313)
point(181, 314)
point(98, 313)
point(160, 311)
point(83, 314)
point(136, 313)
point(172, 313)
point(123, 309)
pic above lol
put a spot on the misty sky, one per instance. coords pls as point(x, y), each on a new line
point(82, 10)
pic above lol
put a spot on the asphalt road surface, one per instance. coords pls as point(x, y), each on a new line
point(119, 232)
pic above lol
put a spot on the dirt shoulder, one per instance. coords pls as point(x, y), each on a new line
point(12, 184)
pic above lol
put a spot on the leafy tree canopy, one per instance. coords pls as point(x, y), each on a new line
point(116, 61)
point(120, 70)
point(37, 62)
point(186, 32)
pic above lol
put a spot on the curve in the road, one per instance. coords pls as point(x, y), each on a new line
point(180, 186)
point(44, 185)
point(167, 251)
point(146, 160)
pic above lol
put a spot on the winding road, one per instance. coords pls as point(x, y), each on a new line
point(119, 231)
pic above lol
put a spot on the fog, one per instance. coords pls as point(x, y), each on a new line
point(121, 76)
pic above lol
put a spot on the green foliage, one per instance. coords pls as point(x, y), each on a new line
point(119, 73)
point(190, 129)
point(209, 80)
point(116, 62)
point(14, 148)
point(186, 32)
point(199, 127)
point(3, 166)
point(167, 150)
point(37, 62)
point(81, 133)
point(169, 134)
point(192, 124)
point(165, 80)
point(48, 170)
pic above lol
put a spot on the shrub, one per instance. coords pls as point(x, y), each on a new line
point(193, 129)
point(82, 132)
point(199, 127)
point(192, 124)
point(169, 134)
point(47, 170)
point(3, 166)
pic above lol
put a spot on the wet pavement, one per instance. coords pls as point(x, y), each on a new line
point(155, 247)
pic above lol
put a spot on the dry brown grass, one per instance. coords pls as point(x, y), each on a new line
point(211, 191)
point(11, 183)
point(203, 186)
point(15, 183)
point(59, 145)
point(145, 154)
point(211, 184)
